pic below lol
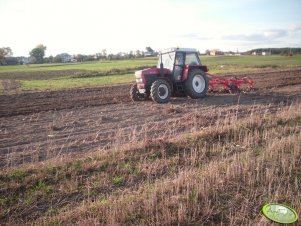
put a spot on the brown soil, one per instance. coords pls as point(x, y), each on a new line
point(43, 125)
point(10, 86)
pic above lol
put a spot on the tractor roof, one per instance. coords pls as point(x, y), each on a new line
point(176, 49)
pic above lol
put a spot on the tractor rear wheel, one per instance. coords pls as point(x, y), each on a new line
point(197, 84)
point(135, 95)
point(160, 91)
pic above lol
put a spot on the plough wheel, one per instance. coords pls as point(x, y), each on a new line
point(233, 89)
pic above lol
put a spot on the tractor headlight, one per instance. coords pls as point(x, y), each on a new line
point(139, 80)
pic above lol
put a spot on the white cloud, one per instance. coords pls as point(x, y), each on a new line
point(262, 36)
point(194, 36)
point(275, 33)
point(294, 27)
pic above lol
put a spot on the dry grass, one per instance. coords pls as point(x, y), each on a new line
point(218, 175)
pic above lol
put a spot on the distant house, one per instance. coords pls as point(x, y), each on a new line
point(229, 53)
point(10, 61)
point(65, 57)
point(25, 60)
point(261, 53)
point(149, 54)
point(267, 53)
point(215, 52)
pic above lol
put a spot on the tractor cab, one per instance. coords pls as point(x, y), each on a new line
point(176, 60)
point(179, 71)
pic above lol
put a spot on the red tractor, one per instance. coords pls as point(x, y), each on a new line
point(179, 73)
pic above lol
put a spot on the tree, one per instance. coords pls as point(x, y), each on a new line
point(5, 52)
point(149, 50)
point(98, 56)
point(104, 53)
point(37, 54)
point(131, 54)
point(138, 53)
point(79, 58)
point(41, 46)
point(57, 59)
point(49, 59)
point(286, 52)
point(64, 58)
point(110, 56)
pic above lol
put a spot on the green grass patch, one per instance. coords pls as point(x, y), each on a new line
point(117, 180)
point(18, 174)
point(65, 83)
point(237, 64)
point(213, 62)
point(88, 74)
point(93, 66)
point(1, 88)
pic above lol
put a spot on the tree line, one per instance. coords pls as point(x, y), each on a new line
point(37, 56)
point(287, 51)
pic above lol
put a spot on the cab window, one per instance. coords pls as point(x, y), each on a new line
point(179, 59)
point(192, 58)
point(167, 60)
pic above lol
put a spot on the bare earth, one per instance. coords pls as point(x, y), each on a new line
point(43, 125)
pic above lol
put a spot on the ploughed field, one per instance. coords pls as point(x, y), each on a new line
point(36, 126)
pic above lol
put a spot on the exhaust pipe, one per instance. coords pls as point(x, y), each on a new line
point(161, 66)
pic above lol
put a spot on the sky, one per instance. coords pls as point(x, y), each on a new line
point(89, 26)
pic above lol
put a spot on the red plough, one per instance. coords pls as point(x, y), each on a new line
point(232, 85)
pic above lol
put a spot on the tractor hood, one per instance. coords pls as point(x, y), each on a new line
point(151, 71)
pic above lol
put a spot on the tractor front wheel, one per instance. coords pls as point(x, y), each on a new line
point(135, 95)
point(197, 83)
point(160, 91)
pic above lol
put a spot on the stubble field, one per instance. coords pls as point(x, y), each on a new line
point(91, 156)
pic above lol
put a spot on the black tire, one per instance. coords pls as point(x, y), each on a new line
point(233, 89)
point(135, 95)
point(160, 91)
point(197, 84)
